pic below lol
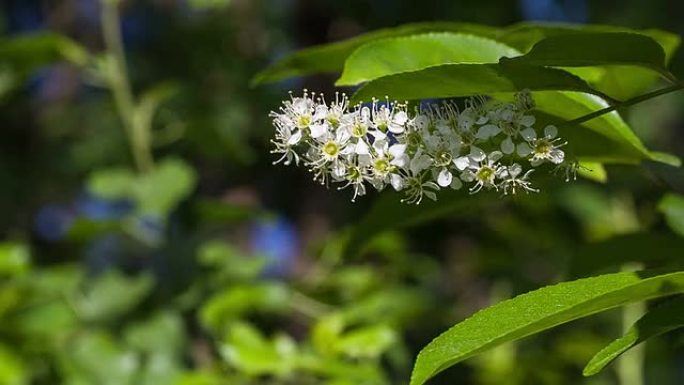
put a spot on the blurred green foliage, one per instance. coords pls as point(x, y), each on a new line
point(185, 274)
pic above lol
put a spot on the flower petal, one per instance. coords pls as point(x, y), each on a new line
point(550, 131)
point(523, 149)
point(528, 134)
point(444, 178)
point(507, 146)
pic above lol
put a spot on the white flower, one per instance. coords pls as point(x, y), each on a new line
point(417, 153)
point(512, 182)
point(542, 149)
point(484, 172)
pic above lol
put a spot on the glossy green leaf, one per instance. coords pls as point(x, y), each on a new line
point(331, 57)
point(595, 49)
point(539, 310)
point(400, 54)
point(620, 82)
point(660, 320)
point(672, 206)
point(456, 80)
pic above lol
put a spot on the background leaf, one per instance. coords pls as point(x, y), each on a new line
point(662, 319)
point(672, 206)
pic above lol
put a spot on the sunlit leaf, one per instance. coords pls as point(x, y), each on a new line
point(401, 54)
point(331, 57)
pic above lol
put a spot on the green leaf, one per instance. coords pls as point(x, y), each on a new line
point(593, 171)
point(96, 357)
point(250, 352)
point(672, 206)
point(160, 191)
point(539, 310)
point(623, 145)
point(112, 184)
point(112, 294)
point(15, 258)
point(621, 82)
point(13, 370)
point(22, 55)
point(595, 49)
point(331, 57)
point(32, 51)
point(660, 320)
point(234, 302)
point(367, 342)
point(456, 80)
point(409, 53)
point(161, 333)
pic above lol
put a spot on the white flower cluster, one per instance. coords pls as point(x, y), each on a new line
point(441, 146)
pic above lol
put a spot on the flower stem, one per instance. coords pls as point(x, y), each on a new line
point(677, 86)
point(138, 132)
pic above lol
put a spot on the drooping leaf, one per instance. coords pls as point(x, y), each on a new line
point(400, 54)
point(620, 82)
point(595, 49)
point(660, 320)
point(539, 310)
point(456, 80)
point(672, 206)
